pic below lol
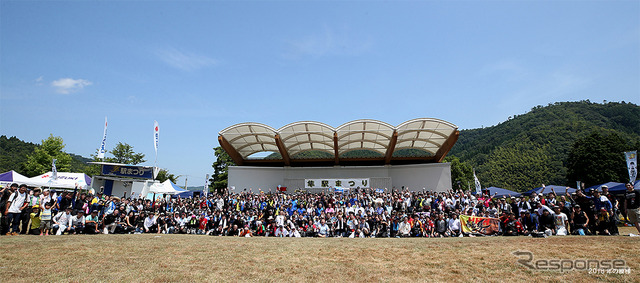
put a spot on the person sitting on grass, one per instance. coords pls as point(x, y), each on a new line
point(602, 222)
point(580, 222)
point(150, 224)
point(34, 229)
point(92, 223)
point(405, 228)
point(561, 221)
point(513, 227)
point(77, 222)
point(62, 221)
point(441, 227)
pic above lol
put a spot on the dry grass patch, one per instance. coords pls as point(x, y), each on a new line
point(170, 258)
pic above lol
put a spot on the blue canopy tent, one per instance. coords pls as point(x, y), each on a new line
point(621, 188)
point(608, 184)
point(560, 190)
point(501, 192)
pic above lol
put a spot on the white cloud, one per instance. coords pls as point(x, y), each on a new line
point(69, 85)
point(184, 61)
point(327, 42)
point(39, 80)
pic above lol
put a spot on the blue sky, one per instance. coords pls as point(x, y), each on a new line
point(198, 67)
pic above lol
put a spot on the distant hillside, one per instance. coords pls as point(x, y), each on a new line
point(13, 155)
point(531, 149)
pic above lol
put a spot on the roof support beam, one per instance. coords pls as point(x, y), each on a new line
point(446, 147)
point(233, 153)
point(335, 148)
point(391, 148)
point(283, 151)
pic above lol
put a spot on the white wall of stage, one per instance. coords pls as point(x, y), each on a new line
point(433, 177)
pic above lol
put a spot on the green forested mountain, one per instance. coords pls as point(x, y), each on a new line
point(14, 152)
point(531, 149)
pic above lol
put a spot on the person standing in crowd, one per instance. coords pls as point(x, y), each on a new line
point(32, 199)
point(632, 205)
point(15, 204)
point(46, 219)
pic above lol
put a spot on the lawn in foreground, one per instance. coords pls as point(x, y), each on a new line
point(160, 258)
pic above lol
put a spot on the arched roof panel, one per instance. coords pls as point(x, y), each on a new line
point(364, 134)
point(432, 135)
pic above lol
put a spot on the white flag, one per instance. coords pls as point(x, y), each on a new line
point(54, 171)
point(475, 179)
point(102, 150)
point(156, 135)
point(632, 165)
point(206, 185)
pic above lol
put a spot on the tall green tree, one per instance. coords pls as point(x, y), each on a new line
point(219, 179)
point(164, 175)
point(598, 159)
point(123, 153)
point(39, 162)
point(461, 173)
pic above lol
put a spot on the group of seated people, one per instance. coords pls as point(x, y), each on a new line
point(357, 214)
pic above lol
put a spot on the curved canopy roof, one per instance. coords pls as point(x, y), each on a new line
point(432, 137)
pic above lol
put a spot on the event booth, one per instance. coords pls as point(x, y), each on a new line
point(7, 178)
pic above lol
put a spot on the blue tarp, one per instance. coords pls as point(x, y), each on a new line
point(615, 188)
point(560, 190)
point(608, 184)
point(501, 192)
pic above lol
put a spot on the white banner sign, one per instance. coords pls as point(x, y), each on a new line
point(103, 149)
point(477, 182)
point(352, 183)
point(632, 165)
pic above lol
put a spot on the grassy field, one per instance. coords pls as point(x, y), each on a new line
point(162, 258)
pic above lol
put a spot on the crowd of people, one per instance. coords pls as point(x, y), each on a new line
point(356, 214)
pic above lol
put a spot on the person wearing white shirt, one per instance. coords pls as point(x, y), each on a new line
point(280, 219)
point(77, 222)
point(150, 223)
point(404, 229)
point(62, 221)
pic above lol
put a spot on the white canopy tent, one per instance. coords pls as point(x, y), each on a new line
point(165, 187)
point(8, 178)
point(65, 180)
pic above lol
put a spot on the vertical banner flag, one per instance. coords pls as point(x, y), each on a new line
point(475, 179)
point(578, 185)
point(54, 171)
point(206, 185)
point(156, 135)
point(102, 150)
point(632, 165)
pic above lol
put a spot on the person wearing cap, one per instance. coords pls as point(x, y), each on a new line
point(15, 204)
point(602, 222)
point(34, 216)
point(580, 222)
point(632, 205)
point(45, 219)
point(62, 221)
point(561, 221)
point(32, 200)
